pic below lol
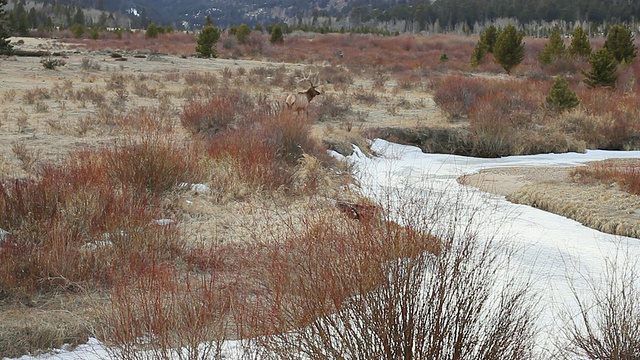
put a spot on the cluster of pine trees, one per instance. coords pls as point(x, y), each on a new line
point(508, 50)
point(207, 39)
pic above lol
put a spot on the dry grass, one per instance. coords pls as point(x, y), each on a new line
point(87, 222)
point(590, 196)
point(624, 173)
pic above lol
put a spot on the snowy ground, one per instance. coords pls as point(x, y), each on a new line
point(557, 253)
point(554, 251)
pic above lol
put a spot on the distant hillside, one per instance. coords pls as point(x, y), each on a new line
point(397, 15)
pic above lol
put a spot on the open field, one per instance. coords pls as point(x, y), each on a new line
point(226, 199)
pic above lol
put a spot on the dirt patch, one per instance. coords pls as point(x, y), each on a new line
point(604, 207)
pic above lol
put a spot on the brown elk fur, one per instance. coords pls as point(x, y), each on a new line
point(300, 102)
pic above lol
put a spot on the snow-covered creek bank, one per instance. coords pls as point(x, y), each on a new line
point(555, 254)
point(558, 254)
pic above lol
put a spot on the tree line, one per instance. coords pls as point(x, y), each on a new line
point(451, 13)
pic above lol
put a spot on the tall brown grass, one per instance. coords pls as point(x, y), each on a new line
point(626, 173)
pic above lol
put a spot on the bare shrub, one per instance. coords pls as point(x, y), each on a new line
point(90, 94)
point(265, 151)
point(9, 95)
point(84, 125)
point(331, 107)
point(614, 117)
point(197, 78)
point(22, 122)
point(369, 98)
point(88, 64)
point(75, 226)
point(227, 74)
point(229, 42)
point(455, 95)
point(117, 81)
point(607, 322)
point(172, 76)
point(380, 78)
point(255, 43)
point(140, 88)
point(38, 94)
point(120, 98)
point(153, 164)
point(216, 113)
point(335, 75)
point(490, 134)
point(585, 127)
point(408, 81)
point(28, 158)
point(41, 106)
point(374, 289)
point(163, 314)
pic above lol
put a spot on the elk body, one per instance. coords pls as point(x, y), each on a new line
point(300, 102)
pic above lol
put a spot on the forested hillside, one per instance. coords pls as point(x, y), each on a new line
point(397, 15)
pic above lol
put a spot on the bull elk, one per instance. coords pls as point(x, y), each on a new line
point(300, 102)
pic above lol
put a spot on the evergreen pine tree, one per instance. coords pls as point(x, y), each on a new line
point(152, 31)
point(484, 45)
point(5, 44)
point(276, 35)
point(580, 46)
point(94, 34)
point(620, 43)
point(603, 69)
point(23, 24)
point(478, 53)
point(509, 48)
point(77, 30)
point(242, 33)
point(207, 40)
point(554, 49)
point(78, 18)
point(561, 97)
point(208, 21)
point(489, 37)
point(144, 21)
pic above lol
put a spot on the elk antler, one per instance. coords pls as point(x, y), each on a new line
point(308, 78)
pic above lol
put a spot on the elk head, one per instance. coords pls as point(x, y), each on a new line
point(312, 92)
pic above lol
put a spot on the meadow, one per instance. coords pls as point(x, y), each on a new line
point(157, 200)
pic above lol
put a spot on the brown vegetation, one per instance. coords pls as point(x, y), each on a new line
point(113, 216)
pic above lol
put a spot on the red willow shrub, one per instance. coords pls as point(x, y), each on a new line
point(456, 94)
point(625, 173)
point(216, 113)
point(84, 221)
point(266, 152)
